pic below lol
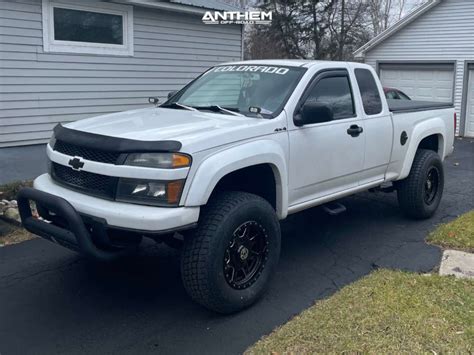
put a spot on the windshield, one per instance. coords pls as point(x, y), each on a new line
point(247, 89)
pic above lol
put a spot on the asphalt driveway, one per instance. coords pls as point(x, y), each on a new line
point(54, 301)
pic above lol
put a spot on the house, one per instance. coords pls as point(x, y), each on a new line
point(429, 55)
point(64, 60)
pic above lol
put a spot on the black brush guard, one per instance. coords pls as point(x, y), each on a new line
point(63, 225)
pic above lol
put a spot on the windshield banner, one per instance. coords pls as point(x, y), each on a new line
point(252, 68)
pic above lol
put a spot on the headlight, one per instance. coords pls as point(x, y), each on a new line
point(159, 160)
point(52, 141)
point(149, 192)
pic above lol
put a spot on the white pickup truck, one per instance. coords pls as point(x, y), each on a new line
point(214, 168)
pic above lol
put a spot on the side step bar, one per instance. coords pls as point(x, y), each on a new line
point(334, 208)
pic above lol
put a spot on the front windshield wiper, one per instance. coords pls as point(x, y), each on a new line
point(178, 105)
point(217, 108)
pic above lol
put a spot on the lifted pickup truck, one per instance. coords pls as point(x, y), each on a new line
point(215, 167)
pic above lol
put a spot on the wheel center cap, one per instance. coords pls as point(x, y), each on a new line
point(243, 253)
point(428, 184)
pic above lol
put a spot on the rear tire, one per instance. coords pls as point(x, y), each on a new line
point(228, 262)
point(420, 193)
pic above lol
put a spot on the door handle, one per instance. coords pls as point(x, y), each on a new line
point(354, 130)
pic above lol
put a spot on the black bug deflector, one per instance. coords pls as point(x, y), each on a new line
point(65, 227)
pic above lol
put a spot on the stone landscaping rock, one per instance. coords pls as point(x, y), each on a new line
point(457, 263)
point(12, 213)
point(9, 210)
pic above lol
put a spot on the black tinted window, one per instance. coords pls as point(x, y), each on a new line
point(336, 93)
point(392, 95)
point(369, 92)
point(87, 26)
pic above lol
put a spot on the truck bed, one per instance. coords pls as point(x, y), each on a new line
point(399, 106)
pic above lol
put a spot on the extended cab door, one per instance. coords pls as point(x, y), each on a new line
point(326, 158)
point(378, 128)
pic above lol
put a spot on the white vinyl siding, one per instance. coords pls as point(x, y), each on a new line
point(444, 33)
point(39, 89)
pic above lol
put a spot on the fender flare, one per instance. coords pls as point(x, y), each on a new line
point(218, 165)
point(422, 130)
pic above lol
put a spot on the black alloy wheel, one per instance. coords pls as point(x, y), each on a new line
point(246, 255)
point(431, 185)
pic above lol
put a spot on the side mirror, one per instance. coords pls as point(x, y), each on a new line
point(172, 93)
point(153, 100)
point(313, 113)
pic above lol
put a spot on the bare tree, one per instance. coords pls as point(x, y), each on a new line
point(347, 28)
point(321, 29)
point(384, 13)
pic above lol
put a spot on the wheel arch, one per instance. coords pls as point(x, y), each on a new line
point(427, 135)
point(239, 159)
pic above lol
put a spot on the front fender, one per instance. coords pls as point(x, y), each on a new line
point(218, 165)
point(435, 126)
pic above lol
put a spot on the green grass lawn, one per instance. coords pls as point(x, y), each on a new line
point(385, 312)
point(458, 234)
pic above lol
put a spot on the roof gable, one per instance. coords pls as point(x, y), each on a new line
point(412, 16)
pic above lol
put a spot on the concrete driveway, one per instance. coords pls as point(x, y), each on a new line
point(54, 301)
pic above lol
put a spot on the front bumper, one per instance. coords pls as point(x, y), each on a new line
point(122, 215)
point(64, 226)
point(97, 228)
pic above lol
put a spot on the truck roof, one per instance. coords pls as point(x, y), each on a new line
point(286, 62)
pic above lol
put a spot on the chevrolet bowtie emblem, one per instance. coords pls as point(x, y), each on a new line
point(76, 163)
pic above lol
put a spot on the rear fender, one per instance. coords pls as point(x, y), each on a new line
point(435, 126)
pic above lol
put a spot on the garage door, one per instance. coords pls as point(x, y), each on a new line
point(469, 126)
point(430, 82)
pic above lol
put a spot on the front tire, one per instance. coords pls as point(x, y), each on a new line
point(420, 193)
point(228, 262)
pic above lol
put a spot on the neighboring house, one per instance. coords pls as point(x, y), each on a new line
point(429, 55)
point(64, 60)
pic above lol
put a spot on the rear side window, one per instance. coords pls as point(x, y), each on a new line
point(392, 95)
point(336, 93)
point(369, 92)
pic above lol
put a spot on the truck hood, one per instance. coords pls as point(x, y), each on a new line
point(196, 130)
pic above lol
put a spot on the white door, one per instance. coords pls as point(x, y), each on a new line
point(469, 126)
point(327, 157)
point(419, 83)
point(377, 126)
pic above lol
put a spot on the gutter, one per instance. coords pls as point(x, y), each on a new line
point(165, 6)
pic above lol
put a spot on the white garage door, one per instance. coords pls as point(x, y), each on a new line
point(469, 126)
point(430, 83)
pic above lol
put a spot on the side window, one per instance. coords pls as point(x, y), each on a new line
point(369, 92)
point(392, 95)
point(336, 93)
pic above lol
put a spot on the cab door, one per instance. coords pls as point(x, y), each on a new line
point(327, 157)
point(378, 127)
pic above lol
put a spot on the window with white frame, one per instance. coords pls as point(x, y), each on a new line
point(87, 27)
